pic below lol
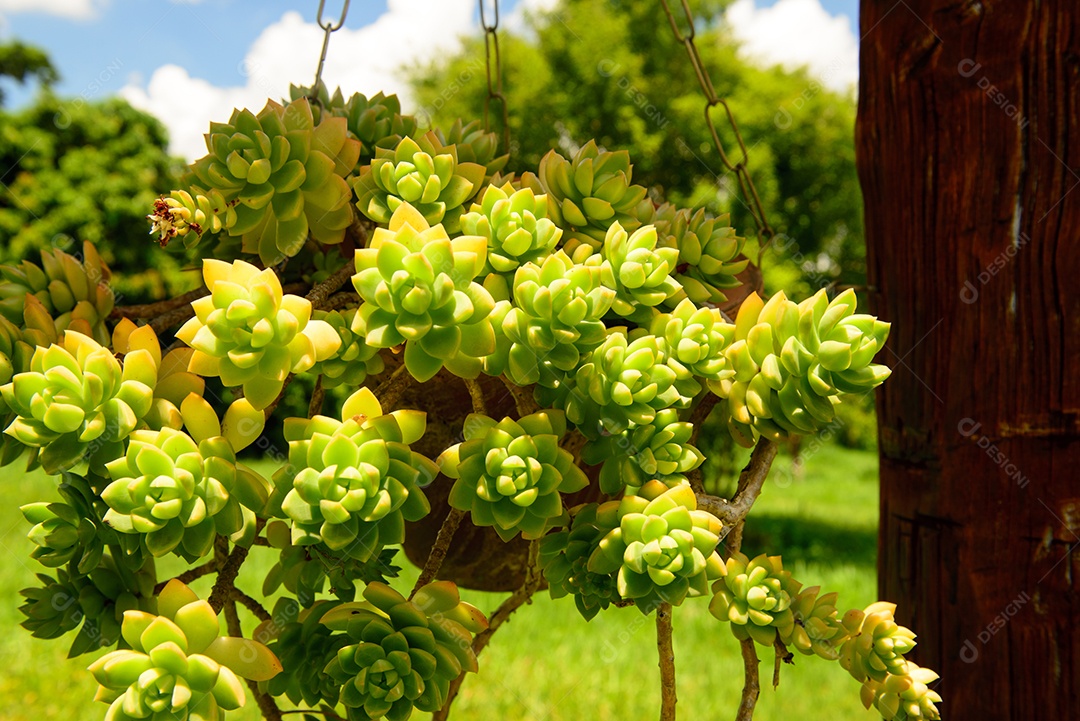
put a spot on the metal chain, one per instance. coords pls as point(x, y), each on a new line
point(742, 174)
point(494, 84)
point(328, 28)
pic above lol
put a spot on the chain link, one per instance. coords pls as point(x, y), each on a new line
point(328, 29)
point(740, 168)
point(494, 73)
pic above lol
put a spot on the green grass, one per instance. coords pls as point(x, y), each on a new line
point(548, 664)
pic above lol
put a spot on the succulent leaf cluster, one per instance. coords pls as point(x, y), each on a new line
point(753, 596)
point(423, 173)
point(304, 645)
point(355, 360)
point(174, 494)
point(187, 216)
point(474, 145)
point(509, 474)
point(792, 362)
point(664, 548)
point(281, 175)
point(250, 334)
point(404, 653)
point(564, 558)
point(638, 271)
point(354, 482)
point(418, 289)
point(65, 292)
point(905, 696)
point(815, 627)
point(516, 226)
point(708, 249)
point(178, 666)
point(77, 401)
point(876, 643)
point(659, 449)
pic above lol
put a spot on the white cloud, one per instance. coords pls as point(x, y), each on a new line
point(795, 33)
point(365, 60)
point(74, 9)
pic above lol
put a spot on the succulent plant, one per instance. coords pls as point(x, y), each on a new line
point(355, 361)
point(564, 558)
point(404, 653)
point(707, 249)
point(555, 318)
point(94, 603)
point(696, 338)
point(282, 176)
point(905, 696)
point(516, 226)
point(475, 145)
point(509, 474)
point(659, 449)
point(378, 123)
point(638, 271)
point(177, 495)
point(814, 627)
point(664, 548)
point(15, 354)
point(591, 192)
point(77, 402)
point(753, 595)
point(178, 666)
point(418, 288)
point(307, 571)
point(249, 334)
point(623, 382)
point(70, 294)
point(187, 216)
point(353, 483)
point(59, 533)
point(792, 362)
point(304, 645)
point(876, 644)
point(423, 173)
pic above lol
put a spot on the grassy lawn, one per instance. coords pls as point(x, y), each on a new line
point(547, 663)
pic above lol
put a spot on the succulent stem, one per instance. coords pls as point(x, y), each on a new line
point(750, 482)
point(668, 696)
point(751, 685)
point(438, 551)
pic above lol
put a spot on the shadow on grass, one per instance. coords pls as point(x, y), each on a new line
point(811, 541)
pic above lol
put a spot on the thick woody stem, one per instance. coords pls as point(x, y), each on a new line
point(751, 685)
point(750, 483)
point(320, 293)
point(668, 696)
point(389, 393)
point(256, 608)
point(438, 551)
point(522, 595)
point(223, 586)
point(267, 706)
point(476, 394)
point(782, 656)
point(523, 398)
point(190, 575)
point(153, 310)
point(315, 407)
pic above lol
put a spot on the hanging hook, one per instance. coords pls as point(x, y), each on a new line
point(328, 28)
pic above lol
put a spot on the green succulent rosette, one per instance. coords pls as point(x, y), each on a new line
point(187, 215)
point(355, 361)
point(178, 666)
point(516, 226)
point(354, 482)
point(708, 248)
point(555, 318)
point(423, 173)
point(906, 696)
point(404, 653)
point(475, 145)
point(638, 271)
point(590, 193)
point(249, 334)
point(660, 450)
point(15, 355)
point(304, 645)
point(59, 533)
point(792, 362)
point(77, 402)
point(418, 289)
point(509, 474)
point(627, 381)
point(814, 628)
point(753, 596)
point(282, 177)
point(174, 494)
point(306, 571)
point(696, 338)
point(93, 602)
point(378, 123)
point(65, 293)
point(664, 548)
point(564, 559)
point(876, 643)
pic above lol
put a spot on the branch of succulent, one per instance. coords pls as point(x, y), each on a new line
point(509, 374)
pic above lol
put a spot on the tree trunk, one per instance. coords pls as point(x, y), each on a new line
point(968, 137)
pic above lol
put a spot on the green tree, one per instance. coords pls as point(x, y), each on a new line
point(612, 70)
point(72, 170)
point(19, 62)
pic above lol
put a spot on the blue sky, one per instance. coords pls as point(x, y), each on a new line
point(217, 52)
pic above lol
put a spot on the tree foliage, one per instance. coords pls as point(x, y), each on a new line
point(21, 62)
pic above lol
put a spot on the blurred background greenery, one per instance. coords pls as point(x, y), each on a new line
point(89, 170)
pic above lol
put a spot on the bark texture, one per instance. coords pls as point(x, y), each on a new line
point(968, 141)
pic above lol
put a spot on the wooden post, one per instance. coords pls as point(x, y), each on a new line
point(968, 141)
